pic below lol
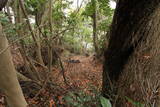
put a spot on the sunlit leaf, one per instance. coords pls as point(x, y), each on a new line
point(105, 102)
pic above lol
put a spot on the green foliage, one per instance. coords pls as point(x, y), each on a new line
point(80, 33)
point(89, 10)
point(76, 24)
point(3, 18)
point(136, 104)
point(104, 7)
point(9, 29)
point(104, 18)
point(81, 99)
point(33, 6)
point(105, 102)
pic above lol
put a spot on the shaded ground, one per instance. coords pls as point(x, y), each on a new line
point(83, 75)
point(87, 72)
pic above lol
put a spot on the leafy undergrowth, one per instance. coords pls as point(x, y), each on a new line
point(81, 88)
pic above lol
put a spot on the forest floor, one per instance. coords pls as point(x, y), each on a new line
point(83, 78)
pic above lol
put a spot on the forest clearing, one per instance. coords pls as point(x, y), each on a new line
point(79, 53)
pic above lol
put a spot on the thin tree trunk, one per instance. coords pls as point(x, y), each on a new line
point(8, 79)
point(19, 20)
point(95, 26)
point(50, 52)
point(35, 38)
point(132, 61)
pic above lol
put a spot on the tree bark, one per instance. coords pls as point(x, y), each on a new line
point(94, 18)
point(132, 61)
point(8, 79)
point(35, 38)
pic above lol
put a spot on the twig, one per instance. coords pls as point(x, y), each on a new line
point(43, 87)
point(62, 68)
point(39, 64)
point(63, 71)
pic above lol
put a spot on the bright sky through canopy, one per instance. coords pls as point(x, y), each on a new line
point(112, 4)
point(78, 2)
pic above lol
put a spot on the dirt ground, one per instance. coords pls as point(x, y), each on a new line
point(82, 73)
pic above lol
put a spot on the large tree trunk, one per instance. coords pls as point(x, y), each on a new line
point(132, 60)
point(8, 79)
